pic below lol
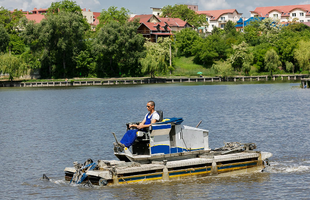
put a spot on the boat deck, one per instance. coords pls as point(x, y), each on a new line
point(119, 172)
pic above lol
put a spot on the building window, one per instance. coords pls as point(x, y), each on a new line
point(301, 14)
point(301, 20)
point(222, 25)
point(308, 20)
point(212, 25)
point(207, 19)
point(293, 14)
point(275, 15)
point(222, 18)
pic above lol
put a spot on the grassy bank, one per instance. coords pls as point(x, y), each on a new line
point(185, 66)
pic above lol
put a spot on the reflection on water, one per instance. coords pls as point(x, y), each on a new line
point(43, 130)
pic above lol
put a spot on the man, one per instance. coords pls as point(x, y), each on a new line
point(151, 117)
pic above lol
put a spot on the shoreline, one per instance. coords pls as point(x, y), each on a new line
point(141, 81)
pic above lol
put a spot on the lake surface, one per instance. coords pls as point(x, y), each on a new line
point(44, 130)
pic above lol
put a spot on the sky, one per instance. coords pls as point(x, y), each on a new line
point(144, 7)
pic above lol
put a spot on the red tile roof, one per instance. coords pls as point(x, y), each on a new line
point(306, 23)
point(285, 10)
point(152, 26)
point(215, 14)
point(143, 18)
point(96, 14)
point(173, 22)
point(37, 18)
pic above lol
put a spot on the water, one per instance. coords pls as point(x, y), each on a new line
point(43, 130)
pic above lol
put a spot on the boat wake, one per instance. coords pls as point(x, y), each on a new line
point(289, 167)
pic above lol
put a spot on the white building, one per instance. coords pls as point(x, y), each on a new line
point(156, 11)
point(300, 13)
point(219, 18)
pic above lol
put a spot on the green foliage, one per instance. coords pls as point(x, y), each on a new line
point(223, 68)
point(230, 27)
point(117, 49)
point(16, 44)
point(113, 14)
point(183, 12)
point(10, 20)
point(157, 57)
point(272, 61)
point(56, 41)
point(259, 53)
point(12, 65)
point(289, 66)
point(302, 54)
point(30, 60)
point(4, 39)
point(64, 6)
point(251, 35)
point(210, 49)
point(184, 41)
point(241, 57)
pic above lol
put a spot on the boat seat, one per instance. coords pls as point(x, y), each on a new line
point(161, 115)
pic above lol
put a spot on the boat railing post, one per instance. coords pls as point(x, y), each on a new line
point(165, 171)
point(214, 167)
point(260, 161)
point(114, 175)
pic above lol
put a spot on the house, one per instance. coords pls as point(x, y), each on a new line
point(192, 7)
point(300, 13)
point(36, 15)
point(39, 11)
point(218, 18)
point(88, 15)
point(152, 27)
point(37, 18)
point(176, 24)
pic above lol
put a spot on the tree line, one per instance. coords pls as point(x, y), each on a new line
point(263, 47)
point(64, 45)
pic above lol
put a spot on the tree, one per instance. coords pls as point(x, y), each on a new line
point(302, 54)
point(12, 65)
point(259, 53)
point(117, 48)
point(4, 39)
point(56, 41)
point(251, 35)
point(269, 28)
point(183, 12)
point(112, 14)
point(223, 68)
point(16, 44)
point(157, 57)
point(241, 57)
point(64, 6)
point(230, 27)
point(10, 20)
point(272, 61)
point(289, 66)
point(215, 30)
point(204, 52)
point(184, 40)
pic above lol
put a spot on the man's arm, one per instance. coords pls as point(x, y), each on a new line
point(142, 125)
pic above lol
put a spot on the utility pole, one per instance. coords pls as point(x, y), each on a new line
point(170, 53)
